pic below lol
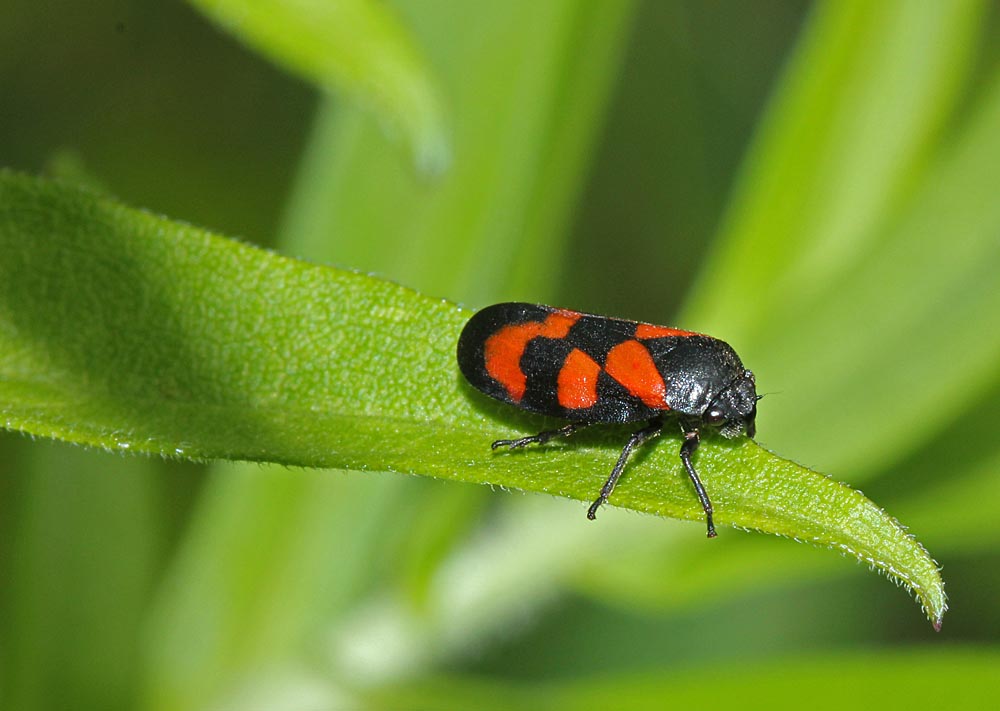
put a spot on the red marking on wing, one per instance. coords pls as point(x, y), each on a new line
point(648, 330)
point(631, 365)
point(503, 350)
point(577, 381)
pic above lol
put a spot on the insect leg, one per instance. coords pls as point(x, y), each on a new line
point(691, 441)
point(637, 438)
point(541, 437)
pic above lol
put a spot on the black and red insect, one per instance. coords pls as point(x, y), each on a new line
point(594, 369)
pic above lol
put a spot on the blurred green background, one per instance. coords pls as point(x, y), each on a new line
point(815, 184)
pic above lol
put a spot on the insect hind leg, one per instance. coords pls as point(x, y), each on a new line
point(541, 437)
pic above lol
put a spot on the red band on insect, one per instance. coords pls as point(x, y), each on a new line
point(503, 350)
point(631, 365)
point(577, 381)
point(648, 330)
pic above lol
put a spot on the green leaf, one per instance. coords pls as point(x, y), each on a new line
point(843, 217)
point(868, 369)
point(932, 268)
point(357, 46)
point(82, 554)
point(923, 679)
point(528, 102)
point(526, 96)
point(123, 330)
point(854, 120)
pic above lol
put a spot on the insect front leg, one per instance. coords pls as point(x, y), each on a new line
point(541, 437)
point(691, 441)
point(637, 438)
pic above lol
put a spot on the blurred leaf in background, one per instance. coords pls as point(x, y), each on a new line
point(592, 152)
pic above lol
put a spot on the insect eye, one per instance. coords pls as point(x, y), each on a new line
point(714, 417)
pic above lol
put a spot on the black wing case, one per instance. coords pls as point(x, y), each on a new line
point(484, 324)
point(533, 380)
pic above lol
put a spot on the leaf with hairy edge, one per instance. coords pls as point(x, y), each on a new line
point(123, 330)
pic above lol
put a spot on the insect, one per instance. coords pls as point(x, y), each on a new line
point(598, 370)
